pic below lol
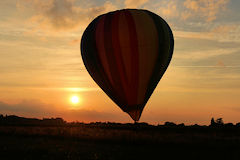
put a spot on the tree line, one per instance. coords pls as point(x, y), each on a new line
point(16, 120)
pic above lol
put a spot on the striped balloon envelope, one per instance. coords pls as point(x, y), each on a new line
point(126, 52)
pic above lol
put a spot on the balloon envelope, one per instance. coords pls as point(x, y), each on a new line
point(126, 52)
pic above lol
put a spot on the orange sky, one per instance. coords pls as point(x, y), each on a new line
point(41, 66)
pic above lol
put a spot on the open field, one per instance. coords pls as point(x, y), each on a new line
point(120, 142)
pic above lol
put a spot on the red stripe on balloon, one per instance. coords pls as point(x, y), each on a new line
point(118, 53)
point(99, 36)
point(134, 56)
point(111, 57)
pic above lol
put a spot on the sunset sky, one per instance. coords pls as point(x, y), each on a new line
point(41, 66)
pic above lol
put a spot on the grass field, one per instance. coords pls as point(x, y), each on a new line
point(114, 142)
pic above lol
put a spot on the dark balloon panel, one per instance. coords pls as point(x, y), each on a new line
point(127, 52)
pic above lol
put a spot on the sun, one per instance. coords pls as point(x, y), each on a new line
point(75, 99)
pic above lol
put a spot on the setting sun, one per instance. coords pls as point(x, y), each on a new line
point(75, 99)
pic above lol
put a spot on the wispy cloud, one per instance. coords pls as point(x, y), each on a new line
point(218, 33)
point(219, 64)
point(169, 9)
point(207, 9)
point(197, 10)
point(226, 32)
point(36, 108)
point(193, 35)
point(134, 3)
point(62, 15)
point(225, 28)
point(28, 107)
point(75, 90)
point(198, 55)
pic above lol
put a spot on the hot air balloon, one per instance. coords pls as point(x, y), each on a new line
point(126, 52)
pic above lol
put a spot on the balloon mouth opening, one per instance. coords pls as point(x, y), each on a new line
point(135, 114)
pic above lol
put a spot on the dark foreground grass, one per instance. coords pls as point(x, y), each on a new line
point(111, 143)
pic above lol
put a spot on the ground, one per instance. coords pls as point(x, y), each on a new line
point(118, 143)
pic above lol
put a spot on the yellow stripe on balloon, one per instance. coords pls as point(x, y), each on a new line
point(148, 49)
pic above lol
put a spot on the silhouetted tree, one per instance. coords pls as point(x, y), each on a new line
point(169, 124)
point(229, 124)
point(213, 123)
point(238, 124)
point(181, 125)
point(195, 125)
point(1, 118)
point(219, 121)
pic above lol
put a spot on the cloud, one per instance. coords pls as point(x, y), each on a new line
point(95, 11)
point(53, 14)
point(225, 28)
point(38, 109)
point(219, 33)
point(207, 9)
point(194, 10)
point(169, 9)
point(191, 19)
point(61, 15)
point(226, 32)
point(199, 55)
point(134, 3)
point(193, 35)
point(28, 107)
